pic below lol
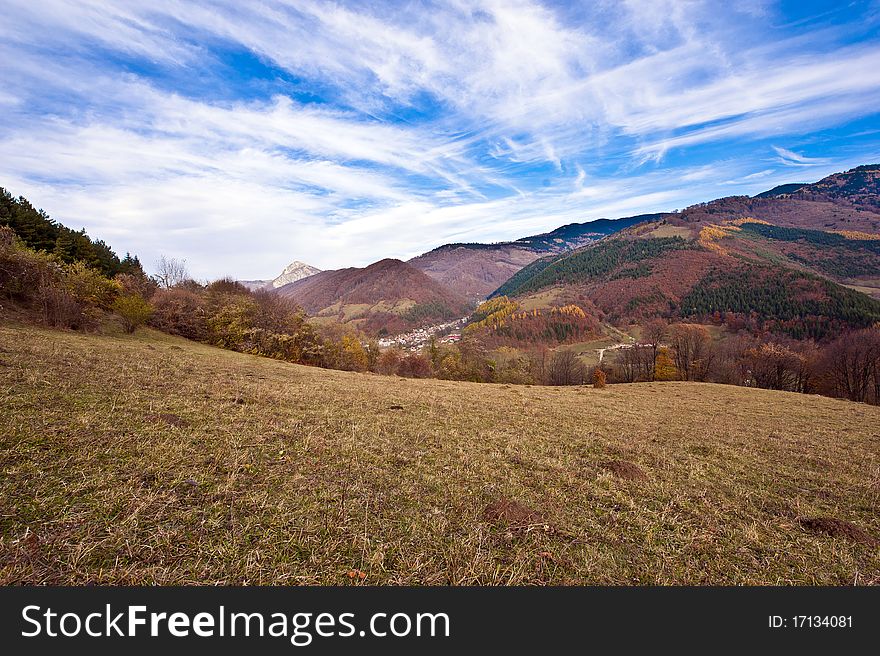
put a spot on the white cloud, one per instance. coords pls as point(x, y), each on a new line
point(791, 158)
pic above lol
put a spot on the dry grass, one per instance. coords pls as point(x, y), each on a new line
point(149, 459)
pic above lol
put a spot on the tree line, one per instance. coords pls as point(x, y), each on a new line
point(845, 367)
point(42, 234)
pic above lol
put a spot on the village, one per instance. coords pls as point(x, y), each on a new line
point(417, 339)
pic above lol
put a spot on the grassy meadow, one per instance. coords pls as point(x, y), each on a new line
point(149, 459)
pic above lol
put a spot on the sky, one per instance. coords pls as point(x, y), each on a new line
point(241, 136)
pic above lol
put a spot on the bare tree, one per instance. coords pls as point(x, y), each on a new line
point(637, 363)
point(170, 271)
point(652, 335)
point(775, 366)
point(853, 365)
point(566, 369)
point(692, 349)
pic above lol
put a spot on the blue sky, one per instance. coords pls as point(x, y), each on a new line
point(241, 136)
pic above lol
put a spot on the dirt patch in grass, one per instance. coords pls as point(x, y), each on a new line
point(511, 514)
point(838, 528)
point(149, 479)
point(168, 418)
point(625, 470)
point(779, 509)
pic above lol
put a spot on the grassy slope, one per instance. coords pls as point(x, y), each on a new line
point(286, 474)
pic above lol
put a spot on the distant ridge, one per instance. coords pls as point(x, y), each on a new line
point(781, 190)
point(474, 270)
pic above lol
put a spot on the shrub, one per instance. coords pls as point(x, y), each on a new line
point(230, 320)
point(179, 312)
point(346, 353)
point(60, 308)
point(599, 378)
point(277, 313)
point(133, 309)
point(89, 286)
point(414, 365)
point(388, 362)
point(137, 283)
point(302, 346)
point(227, 286)
point(22, 271)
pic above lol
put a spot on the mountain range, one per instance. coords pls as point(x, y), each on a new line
point(798, 254)
point(803, 259)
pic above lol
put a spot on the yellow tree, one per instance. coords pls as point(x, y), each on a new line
point(664, 367)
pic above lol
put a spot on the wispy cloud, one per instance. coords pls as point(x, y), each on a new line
point(791, 158)
point(245, 135)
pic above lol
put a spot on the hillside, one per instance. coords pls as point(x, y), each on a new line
point(475, 270)
point(153, 460)
point(803, 265)
point(41, 233)
point(575, 235)
point(859, 187)
point(388, 296)
point(849, 201)
point(781, 190)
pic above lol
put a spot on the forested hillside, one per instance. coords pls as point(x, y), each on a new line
point(38, 231)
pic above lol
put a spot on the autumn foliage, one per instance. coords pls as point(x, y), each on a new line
point(500, 322)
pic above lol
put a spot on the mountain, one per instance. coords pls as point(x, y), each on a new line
point(294, 271)
point(474, 270)
point(859, 187)
point(575, 235)
point(386, 297)
point(781, 190)
point(803, 261)
point(255, 285)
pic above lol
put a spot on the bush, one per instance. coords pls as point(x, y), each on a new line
point(599, 378)
point(388, 362)
point(346, 353)
point(61, 309)
point(22, 271)
point(277, 313)
point(89, 287)
point(227, 286)
point(230, 320)
point(137, 283)
point(179, 312)
point(414, 365)
point(133, 309)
